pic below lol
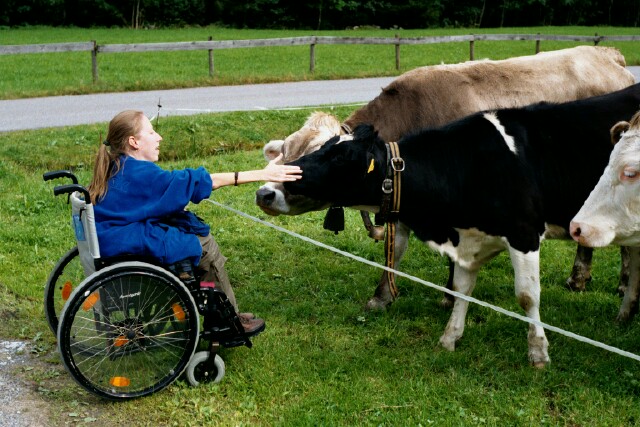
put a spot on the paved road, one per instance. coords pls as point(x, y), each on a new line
point(56, 111)
point(36, 113)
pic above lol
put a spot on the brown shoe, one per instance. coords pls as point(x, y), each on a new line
point(251, 326)
point(247, 316)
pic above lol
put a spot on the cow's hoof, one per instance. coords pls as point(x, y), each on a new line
point(376, 304)
point(622, 289)
point(446, 303)
point(624, 316)
point(578, 285)
point(539, 359)
point(448, 343)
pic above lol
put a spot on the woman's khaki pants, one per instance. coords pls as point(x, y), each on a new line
point(212, 263)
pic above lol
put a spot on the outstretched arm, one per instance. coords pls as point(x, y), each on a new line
point(272, 172)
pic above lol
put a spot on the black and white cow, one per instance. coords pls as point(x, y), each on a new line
point(492, 181)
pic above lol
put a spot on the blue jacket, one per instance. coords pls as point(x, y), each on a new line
point(132, 216)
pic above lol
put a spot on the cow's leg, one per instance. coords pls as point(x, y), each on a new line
point(581, 272)
point(383, 295)
point(526, 267)
point(624, 270)
point(629, 306)
point(464, 281)
point(472, 255)
point(448, 299)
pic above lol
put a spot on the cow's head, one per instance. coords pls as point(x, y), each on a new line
point(611, 214)
point(272, 197)
point(343, 173)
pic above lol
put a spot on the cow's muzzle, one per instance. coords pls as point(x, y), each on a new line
point(265, 196)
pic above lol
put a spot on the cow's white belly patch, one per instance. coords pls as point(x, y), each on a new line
point(474, 249)
point(508, 139)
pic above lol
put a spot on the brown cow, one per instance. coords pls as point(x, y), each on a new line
point(434, 95)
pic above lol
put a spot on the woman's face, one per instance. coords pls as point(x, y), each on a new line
point(145, 145)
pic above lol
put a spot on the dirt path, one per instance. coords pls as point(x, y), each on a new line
point(20, 404)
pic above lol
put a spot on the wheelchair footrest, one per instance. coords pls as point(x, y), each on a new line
point(221, 322)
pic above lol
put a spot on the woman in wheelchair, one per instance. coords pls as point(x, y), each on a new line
point(140, 207)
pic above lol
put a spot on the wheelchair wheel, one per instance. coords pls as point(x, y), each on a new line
point(199, 372)
point(65, 277)
point(128, 330)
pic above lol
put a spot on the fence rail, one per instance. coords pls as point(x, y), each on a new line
point(211, 45)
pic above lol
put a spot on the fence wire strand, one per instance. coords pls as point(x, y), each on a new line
point(434, 286)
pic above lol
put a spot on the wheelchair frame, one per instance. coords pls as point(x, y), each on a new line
point(132, 326)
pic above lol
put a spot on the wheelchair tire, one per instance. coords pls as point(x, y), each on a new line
point(128, 330)
point(197, 369)
point(65, 277)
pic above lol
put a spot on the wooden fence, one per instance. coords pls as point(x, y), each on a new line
point(211, 45)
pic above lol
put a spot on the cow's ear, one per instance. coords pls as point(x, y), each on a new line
point(272, 149)
point(365, 132)
point(617, 130)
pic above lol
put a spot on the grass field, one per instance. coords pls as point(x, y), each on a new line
point(29, 75)
point(322, 360)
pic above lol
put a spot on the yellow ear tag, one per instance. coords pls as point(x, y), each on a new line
point(370, 167)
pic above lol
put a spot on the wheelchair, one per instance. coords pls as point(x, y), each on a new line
point(127, 326)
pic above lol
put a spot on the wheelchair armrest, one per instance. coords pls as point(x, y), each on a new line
point(103, 262)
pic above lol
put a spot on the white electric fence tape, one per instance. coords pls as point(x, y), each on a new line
point(440, 288)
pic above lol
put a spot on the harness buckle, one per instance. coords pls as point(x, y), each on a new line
point(387, 186)
point(397, 164)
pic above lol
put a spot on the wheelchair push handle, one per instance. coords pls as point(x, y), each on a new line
point(70, 188)
point(47, 176)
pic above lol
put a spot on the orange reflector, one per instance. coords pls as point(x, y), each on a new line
point(120, 341)
point(66, 290)
point(178, 312)
point(90, 301)
point(120, 381)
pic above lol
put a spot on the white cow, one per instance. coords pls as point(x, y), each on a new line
point(611, 214)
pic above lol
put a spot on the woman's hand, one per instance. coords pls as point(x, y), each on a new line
point(272, 172)
point(280, 173)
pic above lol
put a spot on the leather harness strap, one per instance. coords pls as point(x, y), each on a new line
point(346, 129)
point(390, 208)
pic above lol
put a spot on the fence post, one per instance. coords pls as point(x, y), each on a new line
point(596, 40)
point(397, 52)
point(312, 55)
point(210, 59)
point(471, 48)
point(538, 43)
point(94, 61)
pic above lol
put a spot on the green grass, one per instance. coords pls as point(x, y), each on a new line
point(322, 360)
point(30, 75)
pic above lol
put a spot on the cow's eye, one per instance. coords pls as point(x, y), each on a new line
point(629, 174)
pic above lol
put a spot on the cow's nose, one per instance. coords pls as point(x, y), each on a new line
point(576, 230)
point(265, 196)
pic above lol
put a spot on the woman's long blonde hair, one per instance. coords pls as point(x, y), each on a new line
point(125, 124)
